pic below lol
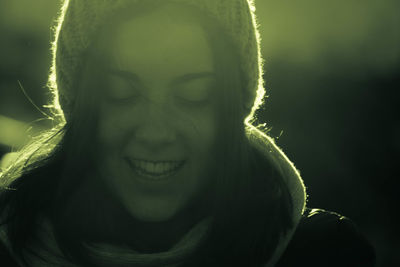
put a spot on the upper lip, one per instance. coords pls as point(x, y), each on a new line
point(153, 160)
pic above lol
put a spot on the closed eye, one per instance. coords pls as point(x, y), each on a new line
point(194, 92)
point(195, 88)
point(122, 86)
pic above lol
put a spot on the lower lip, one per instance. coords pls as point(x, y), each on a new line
point(154, 178)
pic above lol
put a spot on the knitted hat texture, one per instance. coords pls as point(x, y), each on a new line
point(80, 20)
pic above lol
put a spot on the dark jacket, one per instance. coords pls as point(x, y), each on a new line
point(325, 238)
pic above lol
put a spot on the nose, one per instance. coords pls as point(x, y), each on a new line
point(155, 130)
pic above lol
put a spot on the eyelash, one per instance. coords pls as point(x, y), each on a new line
point(191, 103)
point(122, 100)
point(130, 99)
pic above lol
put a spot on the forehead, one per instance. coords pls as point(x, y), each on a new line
point(162, 39)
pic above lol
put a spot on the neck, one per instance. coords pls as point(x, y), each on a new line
point(153, 237)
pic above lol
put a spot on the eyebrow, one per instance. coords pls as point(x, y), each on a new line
point(193, 76)
point(125, 74)
point(181, 79)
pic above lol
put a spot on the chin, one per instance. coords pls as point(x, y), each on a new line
point(154, 210)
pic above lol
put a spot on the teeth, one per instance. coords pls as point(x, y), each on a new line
point(153, 169)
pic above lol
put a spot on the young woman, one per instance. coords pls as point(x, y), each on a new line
point(153, 159)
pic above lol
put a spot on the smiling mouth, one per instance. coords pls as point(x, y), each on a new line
point(155, 170)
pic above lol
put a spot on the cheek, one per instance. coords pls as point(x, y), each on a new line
point(202, 141)
point(200, 130)
point(114, 125)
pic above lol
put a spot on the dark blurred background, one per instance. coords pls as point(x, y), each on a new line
point(332, 75)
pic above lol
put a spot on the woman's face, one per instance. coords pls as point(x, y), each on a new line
point(157, 117)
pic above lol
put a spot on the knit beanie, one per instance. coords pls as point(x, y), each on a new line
point(80, 20)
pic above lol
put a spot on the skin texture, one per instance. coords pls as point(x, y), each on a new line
point(158, 105)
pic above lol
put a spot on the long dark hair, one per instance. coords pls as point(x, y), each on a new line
point(251, 208)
